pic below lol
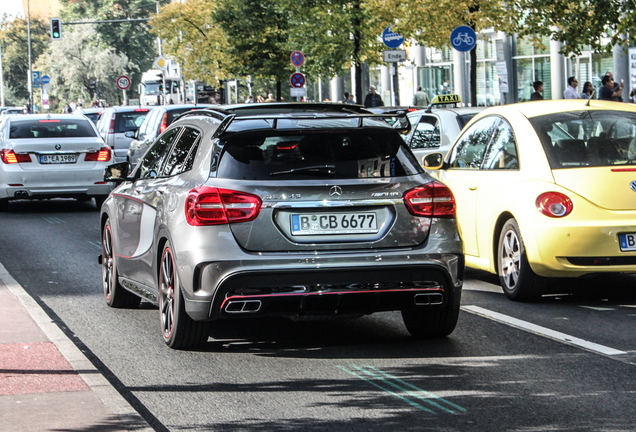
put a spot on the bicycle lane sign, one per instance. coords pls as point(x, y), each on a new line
point(463, 38)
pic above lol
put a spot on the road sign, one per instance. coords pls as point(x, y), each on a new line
point(390, 39)
point(35, 79)
point(298, 92)
point(463, 38)
point(123, 82)
point(160, 62)
point(297, 80)
point(297, 58)
point(45, 79)
point(392, 56)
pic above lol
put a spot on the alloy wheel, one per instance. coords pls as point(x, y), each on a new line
point(167, 285)
point(510, 259)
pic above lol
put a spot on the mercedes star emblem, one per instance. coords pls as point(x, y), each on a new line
point(335, 192)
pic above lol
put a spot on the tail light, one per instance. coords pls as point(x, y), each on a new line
point(111, 129)
point(103, 155)
point(213, 206)
point(430, 200)
point(10, 157)
point(554, 204)
point(164, 123)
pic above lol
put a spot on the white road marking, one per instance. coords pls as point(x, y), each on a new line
point(543, 331)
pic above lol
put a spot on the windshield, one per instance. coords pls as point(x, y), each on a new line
point(341, 154)
point(151, 89)
point(587, 138)
point(51, 128)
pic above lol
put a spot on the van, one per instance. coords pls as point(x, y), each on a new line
point(113, 124)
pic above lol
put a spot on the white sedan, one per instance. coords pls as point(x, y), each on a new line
point(47, 156)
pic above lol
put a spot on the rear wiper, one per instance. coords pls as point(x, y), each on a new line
point(319, 169)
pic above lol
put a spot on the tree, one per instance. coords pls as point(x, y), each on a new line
point(257, 37)
point(78, 65)
point(191, 37)
point(431, 22)
point(336, 34)
point(129, 38)
point(15, 54)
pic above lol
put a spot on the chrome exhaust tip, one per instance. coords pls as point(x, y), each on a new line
point(21, 194)
point(243, 306)
point(428, 299)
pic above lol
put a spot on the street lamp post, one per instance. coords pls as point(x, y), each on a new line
point(30, 80)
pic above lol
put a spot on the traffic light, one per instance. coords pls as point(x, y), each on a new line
point(56, 29)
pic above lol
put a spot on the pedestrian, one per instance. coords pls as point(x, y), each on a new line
point(260, 99)
point(608, 91)
point(570, 92)
point(373, 99)
point(632, 96)
point(420, 99)
point(346, 97)
point(270, 98)
point(538, 89)
point(588, 90)
point(65, 109)
point(72, 106)
point(250, 99)
point(350, 100)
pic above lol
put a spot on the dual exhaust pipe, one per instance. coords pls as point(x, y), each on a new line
point(21, 194)
point(243, 306)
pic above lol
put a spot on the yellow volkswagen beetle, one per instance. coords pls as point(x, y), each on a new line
point(545, 189)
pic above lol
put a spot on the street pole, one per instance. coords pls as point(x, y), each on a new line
point(1, 79)
point(30, 67)
point(163, 71)
point(396, 81)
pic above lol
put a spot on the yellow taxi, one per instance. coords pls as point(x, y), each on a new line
point(545, 189)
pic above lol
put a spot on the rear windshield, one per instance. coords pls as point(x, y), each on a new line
point(129, 121)
point(587, 138)
point(335, 154)
point(175, 113)
point(51, 128)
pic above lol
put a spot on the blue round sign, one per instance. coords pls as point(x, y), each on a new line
point(390, 39)
point(45, 79)
point(463, 38)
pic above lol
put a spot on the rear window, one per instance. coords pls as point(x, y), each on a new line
point(175, 113)
point(339, 154)
point(51, 128)
point(129, 121)
point(587, 138)
point(463, 119)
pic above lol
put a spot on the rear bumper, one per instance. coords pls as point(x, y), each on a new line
point(333, 291)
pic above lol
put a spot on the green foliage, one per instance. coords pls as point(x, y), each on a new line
point(131, 39)
point(15, 55)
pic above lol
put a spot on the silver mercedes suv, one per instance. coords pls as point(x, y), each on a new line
point(296, 214)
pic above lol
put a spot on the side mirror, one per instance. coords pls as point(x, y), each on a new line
point(433, 161)
point(130, 134)
point(117, 173)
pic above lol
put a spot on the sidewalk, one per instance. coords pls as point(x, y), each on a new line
point(46, 382)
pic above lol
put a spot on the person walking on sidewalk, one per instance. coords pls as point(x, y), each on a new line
point(420, 98)
point(538, 89)
point(570, 92)
point(373, 99)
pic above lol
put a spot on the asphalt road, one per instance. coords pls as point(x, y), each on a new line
point(565, 363)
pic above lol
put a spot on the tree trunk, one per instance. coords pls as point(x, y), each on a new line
point(279, 93)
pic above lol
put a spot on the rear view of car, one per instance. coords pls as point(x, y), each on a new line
point(115, 122)
point(47, 156)
point(304, 216)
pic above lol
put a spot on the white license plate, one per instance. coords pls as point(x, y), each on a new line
point(330, 223)
point(58, 159)
point(627, 242)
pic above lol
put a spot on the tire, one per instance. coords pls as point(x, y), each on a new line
point(431, 324)
point(116, 295)
point(178, 329)
point(517, 279)
point(99, 200)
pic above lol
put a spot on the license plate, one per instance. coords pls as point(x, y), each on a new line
point(58, 159)
point(627, 241)
point(330, 223)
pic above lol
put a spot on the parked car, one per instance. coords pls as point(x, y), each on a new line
point(92, 113)
point(5, 111)
point(301, 214)
point(546, 189)
point(435, 129)
point(52, 155)
point(157, 121)
point(113, 124)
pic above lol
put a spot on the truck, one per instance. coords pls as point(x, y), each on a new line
point(152, 92)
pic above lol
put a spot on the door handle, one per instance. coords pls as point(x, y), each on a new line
point(472, 186)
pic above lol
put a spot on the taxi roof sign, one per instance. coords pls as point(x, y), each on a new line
point(446, 99)
point(443, 100)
